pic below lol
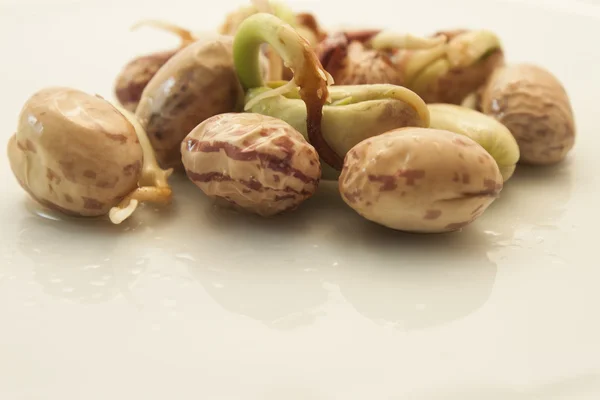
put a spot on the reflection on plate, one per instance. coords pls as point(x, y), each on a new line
point(263, 283)
point(269, 281)
point(78, 271)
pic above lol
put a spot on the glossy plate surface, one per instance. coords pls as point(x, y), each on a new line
point(203, 303)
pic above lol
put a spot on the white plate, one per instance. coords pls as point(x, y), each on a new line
point(199, 303)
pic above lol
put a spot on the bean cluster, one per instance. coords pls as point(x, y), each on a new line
point(420, 133)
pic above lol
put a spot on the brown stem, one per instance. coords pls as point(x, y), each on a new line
point(299, 56)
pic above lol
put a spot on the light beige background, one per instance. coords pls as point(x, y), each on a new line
point(198, 303)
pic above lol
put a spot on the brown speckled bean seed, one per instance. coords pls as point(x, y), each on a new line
point(352, 63)
point(82, 156)
point(134, 77)
point(74, 152)
point(196, 83)
point(259, 163)
point(420, 180)
point(535, 107)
